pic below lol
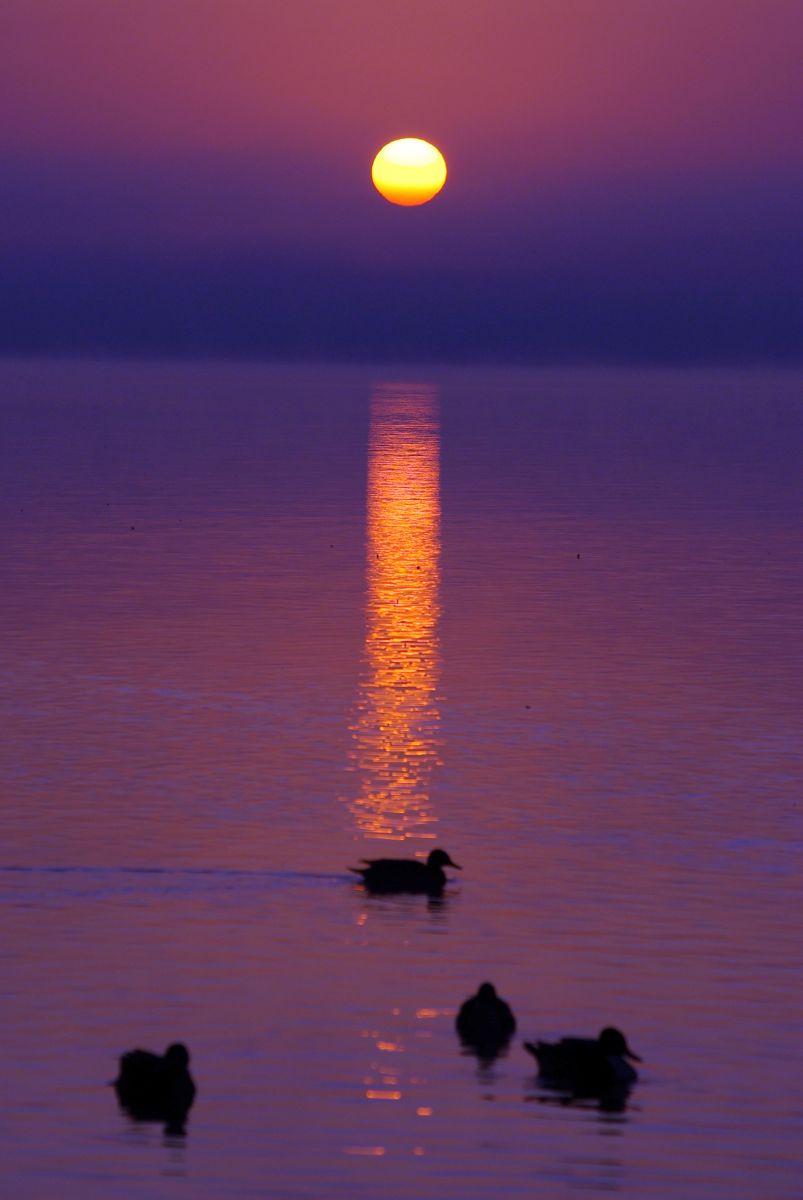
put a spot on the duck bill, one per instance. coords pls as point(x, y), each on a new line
point(632, 1055)
point(455, 865)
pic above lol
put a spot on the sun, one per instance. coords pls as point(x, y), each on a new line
point(409, 171)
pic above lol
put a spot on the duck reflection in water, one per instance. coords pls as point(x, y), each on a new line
point(389, 875)
point(157, 1087)
point(588, 1068)
point(485, 1024)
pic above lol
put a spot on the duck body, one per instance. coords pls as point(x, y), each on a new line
point(406, 874)
point(156, 1087)
point(485, 1022)
point(587, 1066)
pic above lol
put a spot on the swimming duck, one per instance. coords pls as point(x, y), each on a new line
point(406, 874)
point(485, 1022)
point(156, 1087)
point(586, 1066)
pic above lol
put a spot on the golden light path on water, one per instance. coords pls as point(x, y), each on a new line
point(395, 742)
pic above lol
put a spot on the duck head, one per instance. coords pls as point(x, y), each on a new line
point(439, 858)
point(177, 1056)
point(612, 1042)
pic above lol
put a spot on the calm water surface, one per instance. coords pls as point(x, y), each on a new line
point(259, 623)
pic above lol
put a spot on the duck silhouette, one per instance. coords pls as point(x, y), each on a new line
point(406, 874)
point(485, 1022)
point(587, 1067)
point(156, 1087)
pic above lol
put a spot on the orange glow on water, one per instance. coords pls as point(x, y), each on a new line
point(395, 732)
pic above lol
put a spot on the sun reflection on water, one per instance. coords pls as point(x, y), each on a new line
point(396, 724)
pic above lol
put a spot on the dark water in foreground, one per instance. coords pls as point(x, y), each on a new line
point(258, 623)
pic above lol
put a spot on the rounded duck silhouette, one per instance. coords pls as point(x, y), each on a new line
point(587, 1067)
point(156, 1087)
point(485, 1022)
point(406, 874)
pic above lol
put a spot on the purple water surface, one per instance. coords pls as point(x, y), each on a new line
point(261, 622)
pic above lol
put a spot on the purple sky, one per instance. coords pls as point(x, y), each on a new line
point(192, 176)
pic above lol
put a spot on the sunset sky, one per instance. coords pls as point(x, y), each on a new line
point(193, 177)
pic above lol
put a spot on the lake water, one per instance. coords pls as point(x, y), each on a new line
point(261, 622)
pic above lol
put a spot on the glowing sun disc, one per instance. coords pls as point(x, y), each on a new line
point(409, 171)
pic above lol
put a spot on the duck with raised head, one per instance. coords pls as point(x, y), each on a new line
point(156, 1087)
point(406, 874)
point(587, 1066)
point(485, 1022)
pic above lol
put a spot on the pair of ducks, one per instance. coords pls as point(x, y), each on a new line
point(159, 1087)
point(577, 1067)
